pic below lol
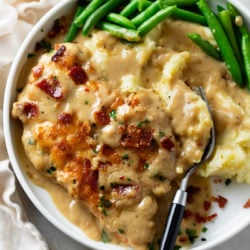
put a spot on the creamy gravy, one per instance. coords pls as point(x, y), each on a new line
point(186, 66)
point(73, 210)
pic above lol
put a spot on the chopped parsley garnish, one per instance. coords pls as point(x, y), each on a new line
point(44, 44)
point(140, 124)
point(95, 151)
point(204, 229)
point(31, 142)
point(125, 157)
point(121, 231)
point(151, 246)
point(113, 114)
point(105, 237)
point(159, 177)
point(30, 55)
point(228, 182)
point(51, 169)
point(113, 185)
point(104, 203)
point(146, 165)
point(176, 247)
point(18, 90)
point(192, 235)
point(161, 134)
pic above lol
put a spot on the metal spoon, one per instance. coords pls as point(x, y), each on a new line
point(177, 207)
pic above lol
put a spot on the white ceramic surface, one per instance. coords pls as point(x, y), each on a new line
point(230, 221)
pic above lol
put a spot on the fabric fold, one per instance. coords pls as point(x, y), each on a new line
point(16, 232)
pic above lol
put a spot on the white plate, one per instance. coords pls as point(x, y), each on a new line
point(231, 220)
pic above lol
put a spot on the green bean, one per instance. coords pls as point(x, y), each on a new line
point(146, 14)
point(98, 14)
point(220, 8)
point(143, 4)
point(223, 42)
point(206, 46)
point(130, 8)
point(91, 7)
point(161, 4)
point(245, 47)
point(161, 15)
point(135, 5)
point(225, 20)
point(234, 13)
point(130, 35)
point(73, 29)
point(120, 20)
point(189, 16)
point(179, 3)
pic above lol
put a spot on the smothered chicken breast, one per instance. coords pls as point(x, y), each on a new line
point(114, 124)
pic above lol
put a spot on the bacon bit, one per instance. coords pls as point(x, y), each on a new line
point(247, 204)
point(58, 27)
point(106, 150)
point(187, 214)
point(192, 191)
point(30, 110)
point(200, 218)
point(183, 238)
point(59, 53)
point(122, 178)
point(211, 217)
point(103, 165)
point(52, 87)
point(92, 180)
point(89, 178)
point(37, 71)
point(64, 118)
point(207, 205)
point(78, 75)
point(136, 137)
point(102, 117)
point(220, 200)
point(167, 143)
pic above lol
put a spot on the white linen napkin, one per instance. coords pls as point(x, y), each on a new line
point(16, 20)
point(15, 232)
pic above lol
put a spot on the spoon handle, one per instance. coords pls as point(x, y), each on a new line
point(174, 219)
